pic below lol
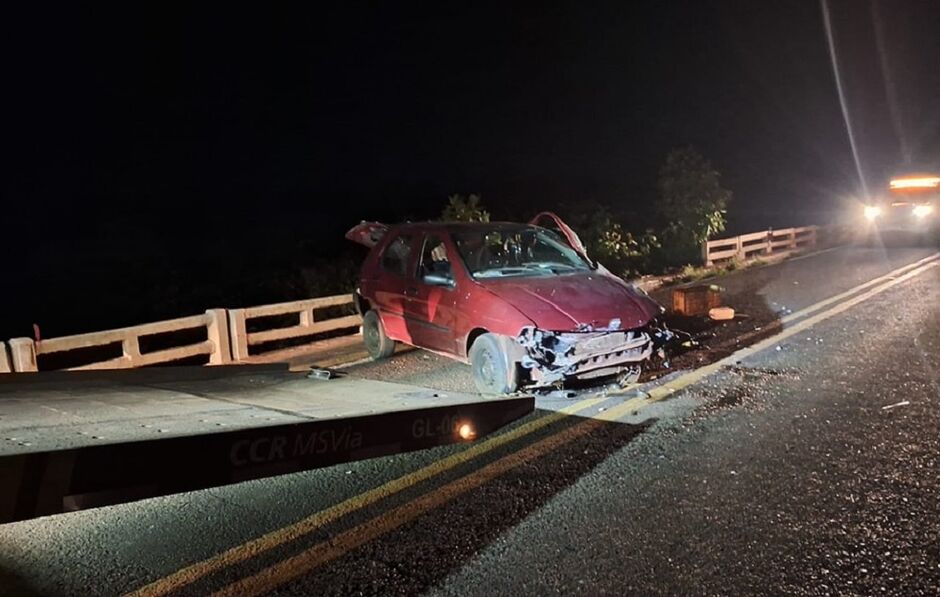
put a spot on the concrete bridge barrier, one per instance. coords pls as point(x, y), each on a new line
point(25, 352)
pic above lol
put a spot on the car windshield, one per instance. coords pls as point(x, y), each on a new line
point(517, 251)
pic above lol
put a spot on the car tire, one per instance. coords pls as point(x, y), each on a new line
point(378, 344)
point(493, 372)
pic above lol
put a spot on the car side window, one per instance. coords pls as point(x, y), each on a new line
point(395, 256)
point(434, 259)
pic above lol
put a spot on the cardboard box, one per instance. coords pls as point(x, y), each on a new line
point(695, 300)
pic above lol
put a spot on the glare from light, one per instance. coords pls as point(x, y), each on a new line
point(872, 212)
point(830, 39)
point(466, 431)
point(922, 211)
point(922, 182)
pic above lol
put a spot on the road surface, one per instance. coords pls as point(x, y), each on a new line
point(806, 464)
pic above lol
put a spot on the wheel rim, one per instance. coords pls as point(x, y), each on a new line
point(486, 370)
point(370, 334)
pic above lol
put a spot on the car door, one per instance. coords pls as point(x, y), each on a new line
point(570, 235)
point(394, 283)
point(431, 301)
point(367, 233)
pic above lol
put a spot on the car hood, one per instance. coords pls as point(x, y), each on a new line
point(575, 302)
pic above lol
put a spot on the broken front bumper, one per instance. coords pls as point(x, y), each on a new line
point(551, 357)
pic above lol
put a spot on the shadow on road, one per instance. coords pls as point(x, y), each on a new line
point(420, 554)
point(12, 585)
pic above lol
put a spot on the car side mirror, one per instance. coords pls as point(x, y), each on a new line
point(439, 280)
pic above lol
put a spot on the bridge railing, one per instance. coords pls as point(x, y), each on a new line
point(5, 365)
point(121, 348)
point(758, 244)
point(253, 327)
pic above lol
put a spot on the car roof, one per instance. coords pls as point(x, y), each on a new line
point(458, 226)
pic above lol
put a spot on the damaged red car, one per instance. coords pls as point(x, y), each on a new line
point(523, 304)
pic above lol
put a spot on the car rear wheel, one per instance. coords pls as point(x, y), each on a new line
point(493, 372)
point(378, 345)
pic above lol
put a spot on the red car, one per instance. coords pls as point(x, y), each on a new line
point(524, 305)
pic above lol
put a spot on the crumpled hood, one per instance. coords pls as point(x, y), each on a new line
point(569, 302)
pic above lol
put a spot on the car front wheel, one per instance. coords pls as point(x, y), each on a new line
point(378, 345)
point(493, 372)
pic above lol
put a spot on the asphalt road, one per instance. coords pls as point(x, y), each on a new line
point(807, 467)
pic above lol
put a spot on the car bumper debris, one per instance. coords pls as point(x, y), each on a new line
point(551, 357)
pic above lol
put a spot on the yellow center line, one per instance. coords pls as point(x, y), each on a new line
point(665, 390)
point(338, 545)
point(843, 295)
point(252, 548)
point(302, 563)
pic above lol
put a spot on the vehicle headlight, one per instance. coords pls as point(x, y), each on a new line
point(872, 212)
point(922, 211)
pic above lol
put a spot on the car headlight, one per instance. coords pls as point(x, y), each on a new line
point(922, 211)
point(872, 212)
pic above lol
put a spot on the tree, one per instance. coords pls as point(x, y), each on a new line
point(692, 204)
point(608, 243)
point(464, 209)
point(692, 201)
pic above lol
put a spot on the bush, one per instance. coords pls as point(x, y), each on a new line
point(692, 204)
point(620, 251)
point(464, 209)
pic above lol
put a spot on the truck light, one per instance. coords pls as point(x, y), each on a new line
point(916, 182)
point(922, 211)
point(466, 431)
point(872, 212)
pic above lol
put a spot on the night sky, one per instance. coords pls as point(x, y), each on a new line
point(226, 131)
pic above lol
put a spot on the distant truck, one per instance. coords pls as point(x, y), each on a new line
point(911, 204)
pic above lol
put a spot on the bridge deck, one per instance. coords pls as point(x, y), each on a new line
point(62, 410)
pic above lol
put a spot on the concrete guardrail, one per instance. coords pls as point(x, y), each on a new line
point(757, 244)
point(5, 365)
point(306, 324)
point(25, 351)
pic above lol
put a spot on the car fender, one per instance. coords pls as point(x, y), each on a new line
point(490, 312)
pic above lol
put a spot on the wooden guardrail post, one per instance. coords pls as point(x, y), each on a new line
point(217, 329)
point(5, 366)
point(23, 355)
point(769, 243)
point(740, 256)
point(130, 346)
point(238, 334)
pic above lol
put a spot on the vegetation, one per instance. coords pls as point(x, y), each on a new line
point(607, 242)
point(690, 208)
point(464, 209)
point(692, 204)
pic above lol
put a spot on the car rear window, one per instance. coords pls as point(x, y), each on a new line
point(396, 254)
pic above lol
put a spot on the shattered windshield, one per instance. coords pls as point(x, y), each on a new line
point(517, 251)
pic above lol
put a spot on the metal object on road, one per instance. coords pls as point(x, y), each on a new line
point(316, 373)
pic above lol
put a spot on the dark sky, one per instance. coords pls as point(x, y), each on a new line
point(136, 129)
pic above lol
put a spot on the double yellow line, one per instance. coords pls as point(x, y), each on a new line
point(291, 568)
point(303, 527)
